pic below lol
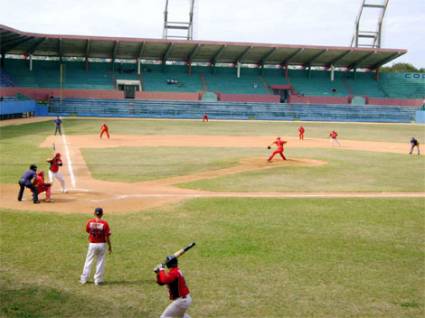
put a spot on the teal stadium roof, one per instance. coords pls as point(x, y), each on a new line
point(17, 42)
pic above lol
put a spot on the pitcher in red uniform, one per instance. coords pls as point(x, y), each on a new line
point(301, 131)
point(177, 288)
point(279, 143)
point(104, 129)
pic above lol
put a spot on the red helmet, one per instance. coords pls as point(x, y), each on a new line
point(57, 155)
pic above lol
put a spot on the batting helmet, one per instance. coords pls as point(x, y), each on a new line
point(171, 261)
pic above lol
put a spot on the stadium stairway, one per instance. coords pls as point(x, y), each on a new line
point(227, 110)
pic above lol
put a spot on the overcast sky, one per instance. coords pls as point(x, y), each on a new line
point(315, 22)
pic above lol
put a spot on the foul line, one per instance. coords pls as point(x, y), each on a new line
point(68, 160)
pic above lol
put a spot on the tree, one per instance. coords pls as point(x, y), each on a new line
point(403, 68)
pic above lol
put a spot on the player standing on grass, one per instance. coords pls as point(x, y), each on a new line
point(99, 236)
point(205, 118)
point(104, 129)
point(54, 173)
point(301, 131)
point(279, 143)
point(177, 289)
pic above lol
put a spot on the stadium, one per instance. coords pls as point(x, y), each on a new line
point(190, 153)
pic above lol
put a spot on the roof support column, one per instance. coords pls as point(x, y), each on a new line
point(2, 60)
point(286, 71)
point(238, 70)
point(138, 66)
point(189, 67)
point(30, 62)
point(332, 73)
point(86, 60)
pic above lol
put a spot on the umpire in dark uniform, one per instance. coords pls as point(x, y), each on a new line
point(414, 143)
point(26, 181)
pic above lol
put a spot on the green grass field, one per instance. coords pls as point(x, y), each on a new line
point(254, 257)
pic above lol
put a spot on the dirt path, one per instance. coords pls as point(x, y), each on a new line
point(120, 197)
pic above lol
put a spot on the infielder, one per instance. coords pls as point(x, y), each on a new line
point(301, 131)
point(58, 124)
point(279, 143)
point(177, 288)
point(54, 173)
point(104, 129)
point(333, 135)
point(99, 236)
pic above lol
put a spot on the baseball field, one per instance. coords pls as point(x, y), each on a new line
point(334, 231)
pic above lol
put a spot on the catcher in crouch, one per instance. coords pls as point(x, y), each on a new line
point(279, 143)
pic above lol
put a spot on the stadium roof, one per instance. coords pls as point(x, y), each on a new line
point(49, 45)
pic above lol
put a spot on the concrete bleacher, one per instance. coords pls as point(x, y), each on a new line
point(403, 85)
point(227, 110)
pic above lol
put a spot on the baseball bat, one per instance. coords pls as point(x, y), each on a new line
point(180, 252)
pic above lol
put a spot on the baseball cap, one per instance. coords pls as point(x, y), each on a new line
point(98, 211)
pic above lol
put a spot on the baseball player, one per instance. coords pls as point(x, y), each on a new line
point(26, 181)
point(58, 125)
point(42, 186)
point(104, 129)
point(279, 143)
point(99, 236)
point(177, 289)
point(333, 136)
point(205, 118)
point(414, 143)
point(301, 131)
point(54, 173)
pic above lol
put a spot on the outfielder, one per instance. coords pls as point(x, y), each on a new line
point(99, 236)
point(301, 131)
point(177, 288)
point(54, 173)
point(279, 143)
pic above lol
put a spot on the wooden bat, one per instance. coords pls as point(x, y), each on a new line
point(184, 250)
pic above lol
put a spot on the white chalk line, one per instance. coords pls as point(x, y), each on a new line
point(68, 160)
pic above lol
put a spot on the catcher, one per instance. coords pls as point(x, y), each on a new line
point(42, 186)
point(279, 143)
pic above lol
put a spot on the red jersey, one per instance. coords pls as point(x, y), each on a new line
point(40, 184)
point(175, 282)
point(301, 130)
point(333, 134)
point(104, 127)
point(55, 163)
point(279, 143)
point(98, 230)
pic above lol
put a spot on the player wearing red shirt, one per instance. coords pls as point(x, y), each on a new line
point(205, 117)
point(42, 186)
point(333, 134)
point(279, 143)
point(104, 129)
point(54, 173)
point(99, 236)
point(301, 131)
point(177, 288)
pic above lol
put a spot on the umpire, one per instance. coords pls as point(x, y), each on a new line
point(26, 181)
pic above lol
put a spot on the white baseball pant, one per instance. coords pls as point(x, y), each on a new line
point(178, 308)
point(59, 176)
point(97, 250)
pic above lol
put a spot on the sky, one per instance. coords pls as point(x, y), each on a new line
point(304, 22)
